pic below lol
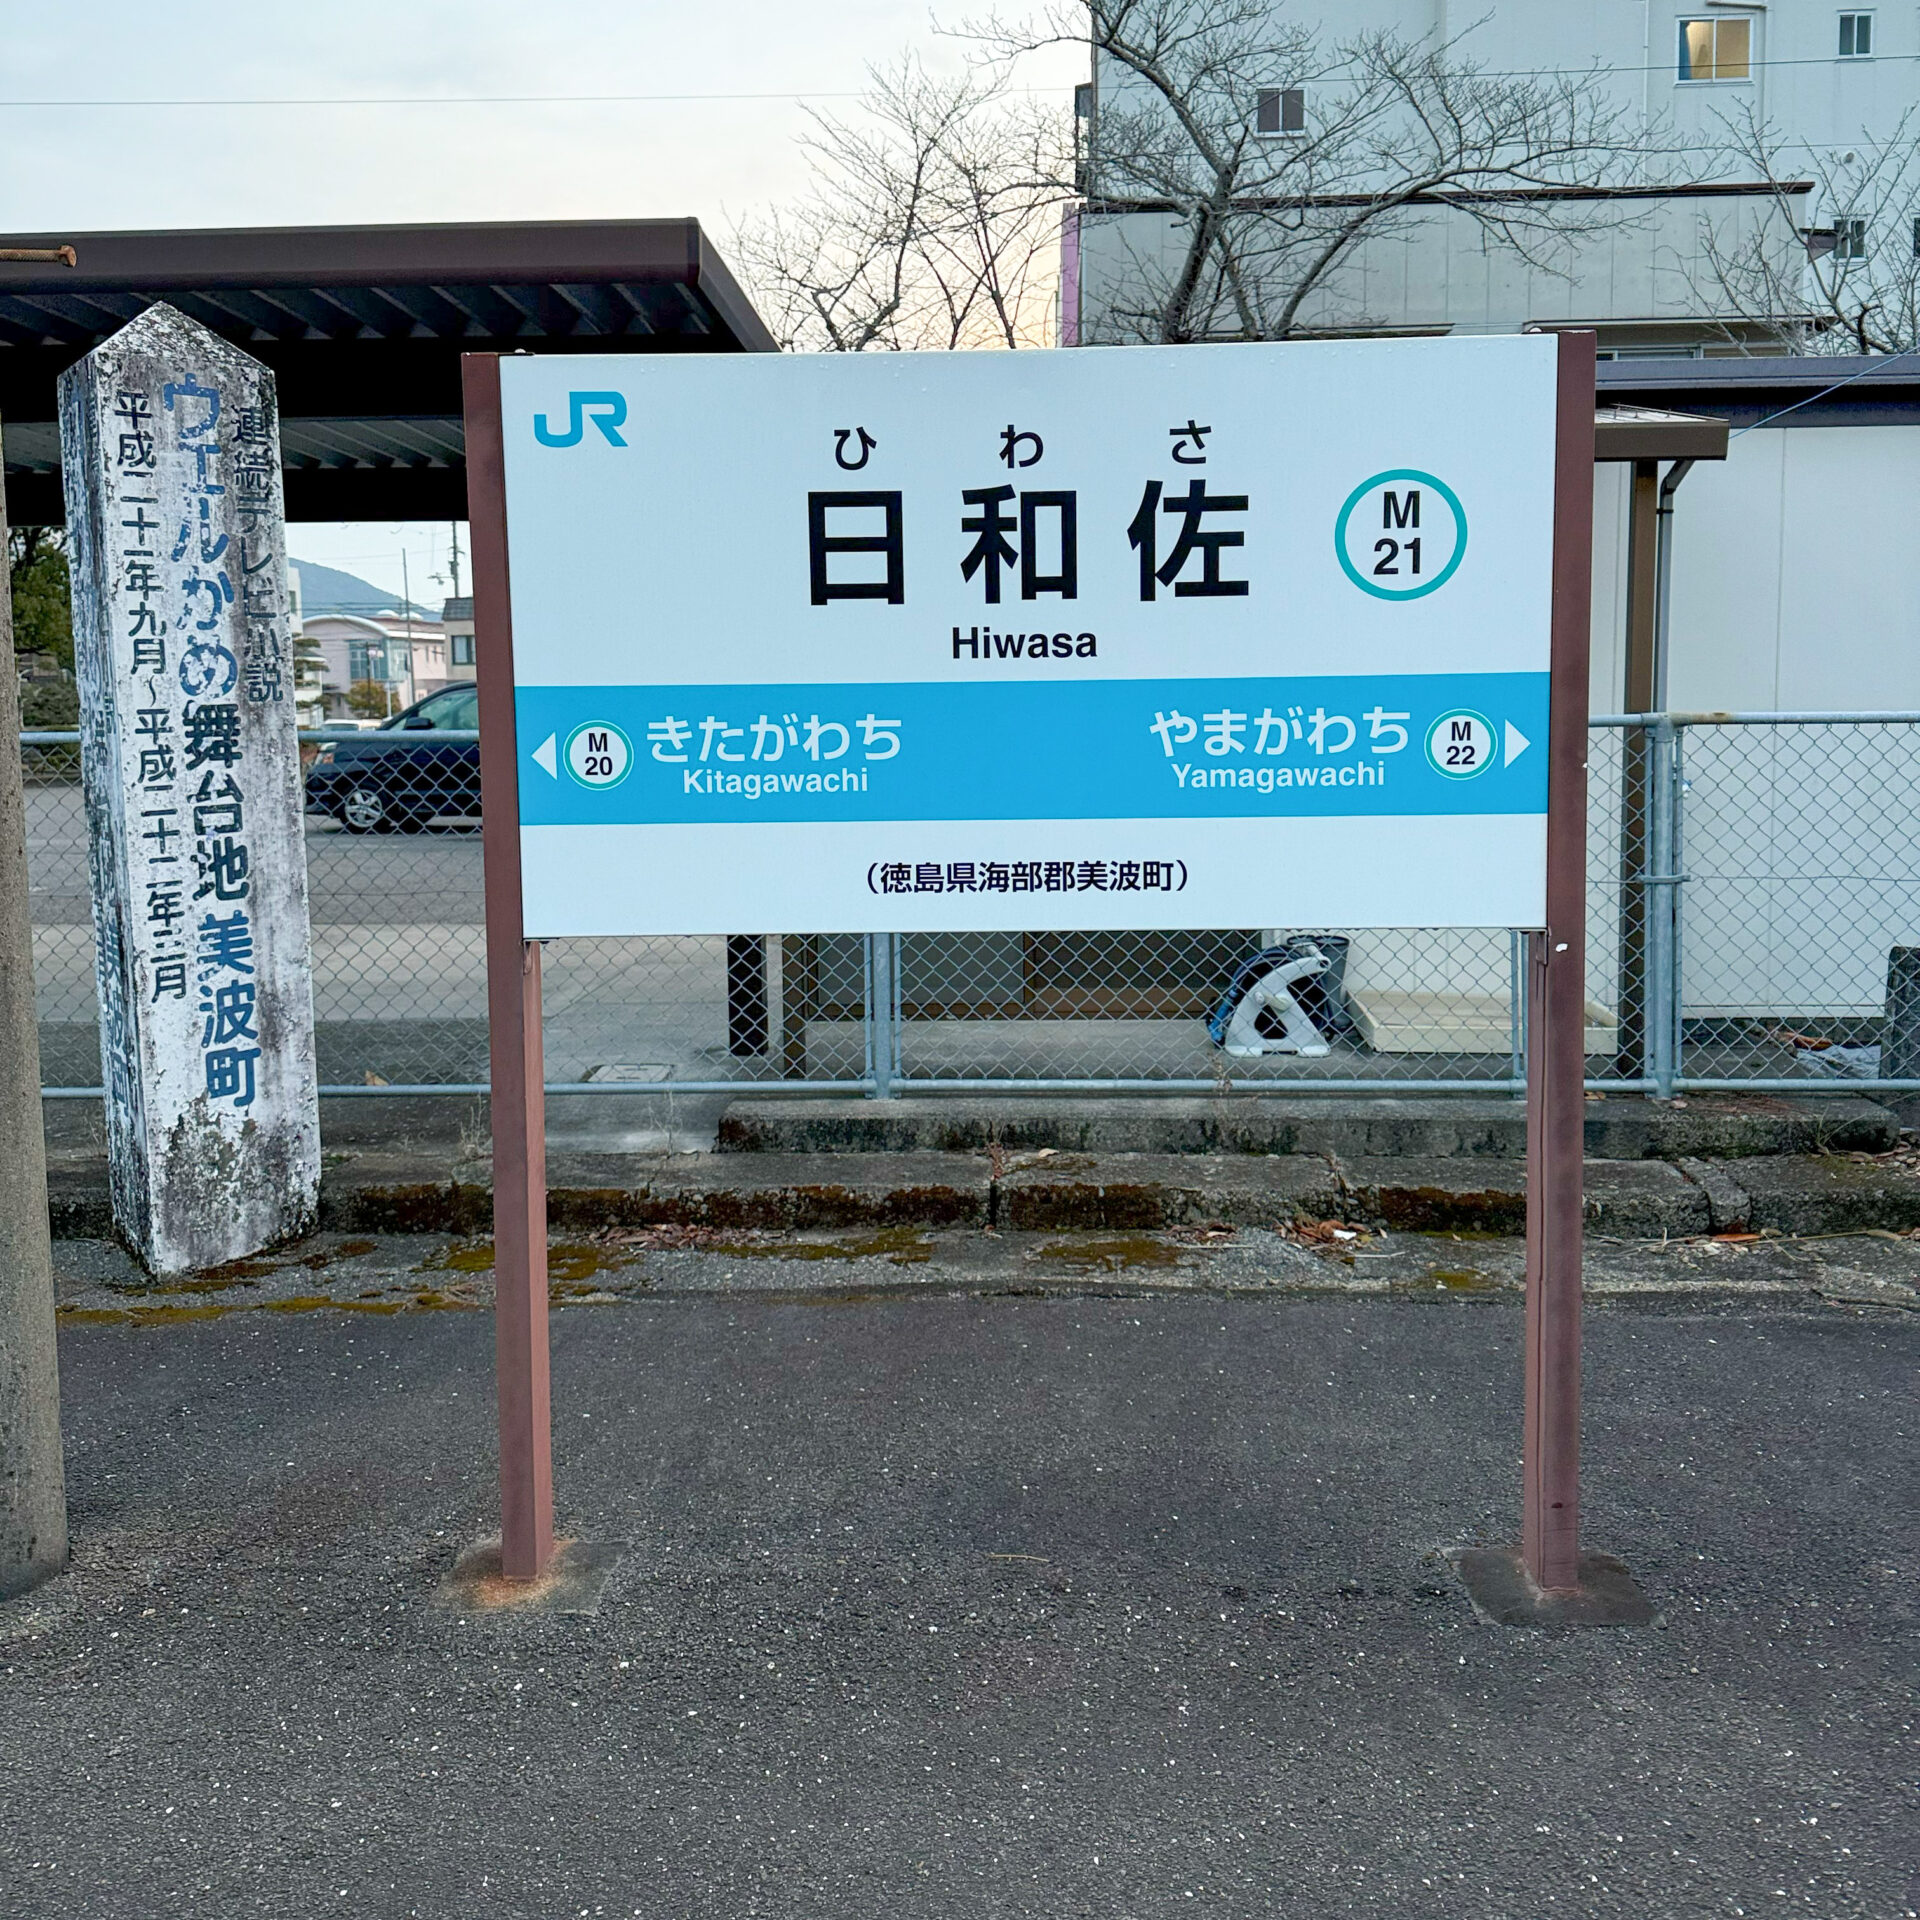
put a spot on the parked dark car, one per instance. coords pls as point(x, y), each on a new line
point(403, 773)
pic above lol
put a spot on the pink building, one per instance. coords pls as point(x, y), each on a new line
point(406, 656)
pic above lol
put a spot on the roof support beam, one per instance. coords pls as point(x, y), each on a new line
point(604, 312)
point(430, 308)
point(220, 307)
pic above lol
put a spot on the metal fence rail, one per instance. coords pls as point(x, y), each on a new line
point(1753, 883)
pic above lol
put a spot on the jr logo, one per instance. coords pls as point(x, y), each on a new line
point(606, 410)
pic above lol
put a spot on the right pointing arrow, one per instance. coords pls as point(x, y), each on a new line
point(1517, 744)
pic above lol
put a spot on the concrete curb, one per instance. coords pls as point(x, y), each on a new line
point(1048, 1191)
point(1729, 1204)
point(1144, 1191)
point(1707, 1127)
point(1828, 1193)
point(780, 1192)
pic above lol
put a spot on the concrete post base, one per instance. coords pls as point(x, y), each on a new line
point(572, 1583)
point(1503, 1595)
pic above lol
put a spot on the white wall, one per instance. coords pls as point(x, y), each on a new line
point(1444, 272)
point(1793, 590)
point(1794, 572)
point(1794, 575)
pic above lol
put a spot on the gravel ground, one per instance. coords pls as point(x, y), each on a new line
point(971, 1575)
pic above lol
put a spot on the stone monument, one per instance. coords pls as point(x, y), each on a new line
point(191, 764)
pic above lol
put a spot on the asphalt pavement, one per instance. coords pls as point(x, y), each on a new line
point(971, 1599)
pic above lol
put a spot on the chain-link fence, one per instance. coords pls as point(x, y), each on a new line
point(1754, 920)
point(1796, 932)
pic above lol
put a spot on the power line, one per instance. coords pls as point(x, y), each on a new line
point(1880, 364)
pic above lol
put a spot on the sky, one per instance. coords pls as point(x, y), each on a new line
point(727, 85)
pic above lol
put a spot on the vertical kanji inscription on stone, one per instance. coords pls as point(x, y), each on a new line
point(191, 765)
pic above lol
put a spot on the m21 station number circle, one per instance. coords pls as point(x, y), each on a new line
point(1461, 744)
point(1401, 534)
point(598, 755)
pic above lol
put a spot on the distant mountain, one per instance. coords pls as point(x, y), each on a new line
point(328, 590)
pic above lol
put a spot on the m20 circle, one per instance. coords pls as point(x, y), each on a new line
point(598, 755)
point(1400, 563)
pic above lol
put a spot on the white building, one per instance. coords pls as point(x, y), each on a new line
point(309, 672)
point(1791, 594)
point(456, 622)
point(1832, 81)
point(1765, 611)
point(404, 656)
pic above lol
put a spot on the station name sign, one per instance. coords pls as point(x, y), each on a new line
point(1231, 636)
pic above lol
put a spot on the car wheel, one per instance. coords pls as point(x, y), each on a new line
point(365, 810)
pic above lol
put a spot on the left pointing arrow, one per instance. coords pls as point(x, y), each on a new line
point(546, 756)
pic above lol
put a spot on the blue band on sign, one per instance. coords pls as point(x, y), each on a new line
point(1034, 750)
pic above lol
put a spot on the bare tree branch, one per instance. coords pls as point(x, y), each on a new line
point(931, 220)
point(1399, 133)
point(933, 214)
point(1850, 281)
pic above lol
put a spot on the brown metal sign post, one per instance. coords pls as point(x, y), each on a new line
point(1556, 1042)
point(1549, 1580)
point(518, 1099)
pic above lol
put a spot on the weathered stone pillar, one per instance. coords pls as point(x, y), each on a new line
point(184, 655)
point(33, 1500)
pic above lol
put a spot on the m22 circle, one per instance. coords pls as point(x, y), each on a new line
point(598, 755)
point(1461, 744)
point(1401, 534)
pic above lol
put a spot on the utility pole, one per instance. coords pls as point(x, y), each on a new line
point(406, 613)
point(33, 1494)
point(453, 535)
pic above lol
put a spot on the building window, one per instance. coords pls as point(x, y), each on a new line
point(1280, 110)
point(366, 659)
point(462, 645)
point(1849, 239)
point(1716, 49)
point(1856, 36)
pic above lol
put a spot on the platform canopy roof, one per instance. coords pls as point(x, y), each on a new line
point(364, 328)
point(1823, 390)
